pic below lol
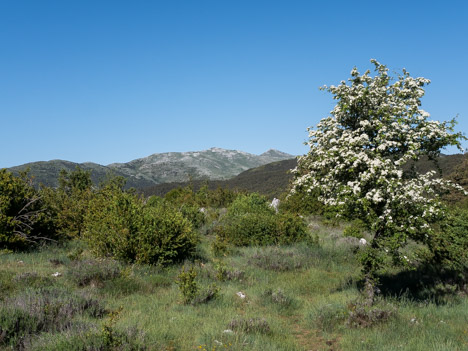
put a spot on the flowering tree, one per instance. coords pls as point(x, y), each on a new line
point(357, 155)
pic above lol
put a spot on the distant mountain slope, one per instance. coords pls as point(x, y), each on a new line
point(270, 180)
point(273, 179)
point(214, 163)
point(47, 172)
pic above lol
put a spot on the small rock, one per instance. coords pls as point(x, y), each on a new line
point(241, 295)
point(362, 241)
point(228, 331)
point(413, 320)
point(275, 204)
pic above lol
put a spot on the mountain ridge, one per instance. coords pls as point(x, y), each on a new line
point(212, 164)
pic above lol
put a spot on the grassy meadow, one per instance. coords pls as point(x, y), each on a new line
point(303, 296)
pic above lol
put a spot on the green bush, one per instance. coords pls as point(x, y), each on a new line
point(251, 221)
point(355, 229)
point(25, 220)
point(70, 200)
point(165, 236)
point(193, 214)
point(449, 244)
point(121, 226)
point(303, 203)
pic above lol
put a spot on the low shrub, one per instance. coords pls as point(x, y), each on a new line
point(354, 230)
point(449, 245)
point(119, 225)
point(274, 259)
point(220, 246)
point(277, 297)
point(187, 285)
point(42, 310)
point(363, 316)
point(251, 221)
point(328, 317)
point(190, 290)
point(224, 274)
point(31, 280)
point(93, 272)
point(251, 325)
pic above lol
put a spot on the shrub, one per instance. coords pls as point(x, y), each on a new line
point(187, 285)
point(112, 224)
point(290, 228)
point(362, 316)
point(278, 260)
point(165, 236)
point(193, 214)
point(449, 245)
point(251, 325)
point(189, 289)
point(25, 220)
point(70, 200)
point(94, 272)
point(251, 221)
point(220, 246)
point(303, 203)
point(119, 225)
point(277, 297)
point(42, 310)
point(355, 229)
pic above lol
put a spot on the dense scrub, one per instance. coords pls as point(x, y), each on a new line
point(250, 220)
point(120, 225)
point(25, 219)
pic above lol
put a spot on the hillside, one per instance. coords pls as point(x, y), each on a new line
point(273, 179)
point(270, 180)
point(47, 172)
point(214, 164)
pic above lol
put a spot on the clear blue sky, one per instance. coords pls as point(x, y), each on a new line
point(111, 81)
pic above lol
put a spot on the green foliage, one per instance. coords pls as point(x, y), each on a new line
point(190, 290)
point(355, 229)
point(193, 214)
point(361, 160)
point(251, 221)
point(25, 219)
point(120, 225)
point(449, 245)
point(70, 201)
point(42, 310)
point(303, 203)
point(165, 236)
point(187, 284)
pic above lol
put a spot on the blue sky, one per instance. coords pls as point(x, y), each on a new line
point(111, 81)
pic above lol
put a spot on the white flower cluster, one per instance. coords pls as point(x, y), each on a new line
point(356, 154)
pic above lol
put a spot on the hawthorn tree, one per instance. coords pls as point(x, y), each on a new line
point(360, 156)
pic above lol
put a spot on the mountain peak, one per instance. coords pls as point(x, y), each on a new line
point(276, 153)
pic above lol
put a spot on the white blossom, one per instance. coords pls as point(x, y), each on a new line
point(356, 159)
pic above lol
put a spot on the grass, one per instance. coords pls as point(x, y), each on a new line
point(297, 297)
